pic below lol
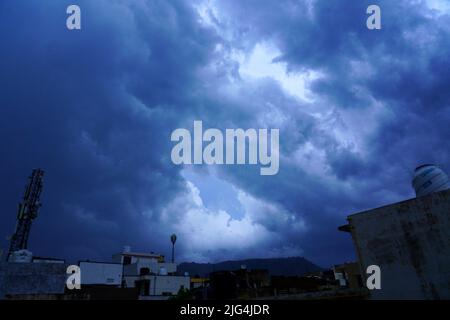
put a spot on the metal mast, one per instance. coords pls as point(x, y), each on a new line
point(27, 212)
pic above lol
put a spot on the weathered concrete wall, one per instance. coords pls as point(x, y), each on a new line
point(32, 278)
point(410, 242)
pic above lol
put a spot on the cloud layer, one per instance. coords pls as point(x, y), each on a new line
point(357, 111)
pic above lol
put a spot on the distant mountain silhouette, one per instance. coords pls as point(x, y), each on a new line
point(292, 266)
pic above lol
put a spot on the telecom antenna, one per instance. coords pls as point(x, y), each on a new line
point(27, 212)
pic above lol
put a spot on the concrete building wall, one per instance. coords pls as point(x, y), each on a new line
point(157, 285)
point(130, 281)
point(168, 266)
point(135, 258)
point(101, 273)
point(134, 269)
point(32, 278)
point(160, 285)
point(410, 242)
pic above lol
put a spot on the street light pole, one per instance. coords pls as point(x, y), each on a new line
point(173, 239)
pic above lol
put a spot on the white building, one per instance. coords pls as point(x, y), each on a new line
point(154, 278)
point(101, 273)
point(135, 263)
point(159, 286)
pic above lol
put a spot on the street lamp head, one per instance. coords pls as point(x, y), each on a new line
point(173, 238)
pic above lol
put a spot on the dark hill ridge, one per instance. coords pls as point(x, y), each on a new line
point(292, 266)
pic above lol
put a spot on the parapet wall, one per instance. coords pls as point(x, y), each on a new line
point(32, 278)
point(410, 242)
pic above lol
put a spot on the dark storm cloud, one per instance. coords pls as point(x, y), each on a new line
point(404, 68)
point(95, 108)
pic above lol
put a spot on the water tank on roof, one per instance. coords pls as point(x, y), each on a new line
point(429, 178)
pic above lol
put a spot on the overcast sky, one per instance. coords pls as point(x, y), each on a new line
point(357, 110)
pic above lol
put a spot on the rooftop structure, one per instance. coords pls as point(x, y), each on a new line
point(410, 242)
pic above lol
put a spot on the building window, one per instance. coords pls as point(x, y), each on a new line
point(144, 271)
